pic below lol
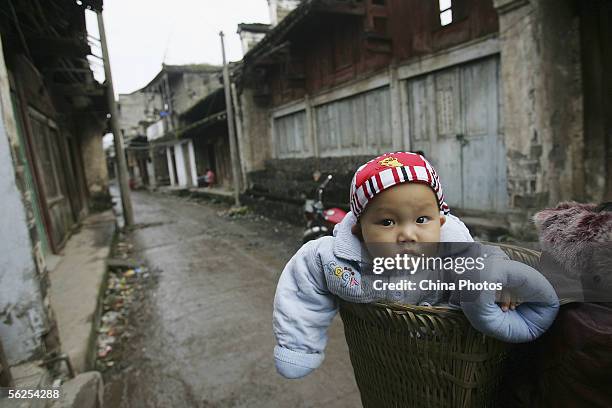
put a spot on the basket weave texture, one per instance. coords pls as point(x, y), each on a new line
point(416, 356)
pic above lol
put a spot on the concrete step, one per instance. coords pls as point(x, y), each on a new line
point(86, 390)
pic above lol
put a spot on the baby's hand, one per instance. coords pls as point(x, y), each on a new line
point(506, 300)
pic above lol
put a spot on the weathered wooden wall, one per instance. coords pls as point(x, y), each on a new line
point(330, 50)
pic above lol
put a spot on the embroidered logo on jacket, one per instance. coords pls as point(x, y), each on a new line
point(346, 274)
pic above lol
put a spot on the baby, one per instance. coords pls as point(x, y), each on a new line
point(397, 206)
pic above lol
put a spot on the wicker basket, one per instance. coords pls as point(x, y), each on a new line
point(414, 356)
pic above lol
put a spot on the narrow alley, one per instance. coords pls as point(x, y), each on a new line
point(206, 334)
point(161, 162)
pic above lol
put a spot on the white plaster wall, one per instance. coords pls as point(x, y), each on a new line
point(272, 4)
point(156, 130)
point(249, 39)
point(170, 168)
point(180, 165)
point(192, 164)
point(22, 316)
point(279, 9)
point(137, 107)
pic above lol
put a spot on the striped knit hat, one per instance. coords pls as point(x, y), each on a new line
point(388, 170)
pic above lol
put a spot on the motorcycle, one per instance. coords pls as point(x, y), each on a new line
point(320, 221)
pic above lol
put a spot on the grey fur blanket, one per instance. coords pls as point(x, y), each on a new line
point(579, 238)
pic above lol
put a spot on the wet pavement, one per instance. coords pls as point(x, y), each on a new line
point(203, 333)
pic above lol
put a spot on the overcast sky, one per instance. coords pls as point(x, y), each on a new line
point(143, 33)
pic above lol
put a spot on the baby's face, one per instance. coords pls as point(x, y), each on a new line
point(404, 215)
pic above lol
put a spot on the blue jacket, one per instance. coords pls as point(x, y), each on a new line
point(305, 301)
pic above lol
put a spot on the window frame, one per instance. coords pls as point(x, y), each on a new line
point(441, 11)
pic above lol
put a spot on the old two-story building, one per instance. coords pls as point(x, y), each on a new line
point(205, 128)
point(508, 98)
point(176, 127)
point(137, 111)
point(52, 165)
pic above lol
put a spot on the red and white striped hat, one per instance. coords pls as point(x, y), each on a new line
point(390, 169)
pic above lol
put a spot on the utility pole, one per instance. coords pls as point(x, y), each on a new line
point(230, 127)
point(122, 175)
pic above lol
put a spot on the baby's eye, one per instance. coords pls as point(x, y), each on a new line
point(386, 222)
point(423, 219)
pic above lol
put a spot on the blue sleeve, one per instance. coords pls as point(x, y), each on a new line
point(303, 311)
point(531, 318)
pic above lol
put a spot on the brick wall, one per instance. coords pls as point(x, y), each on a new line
point(280, 188)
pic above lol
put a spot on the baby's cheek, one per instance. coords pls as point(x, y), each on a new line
point(383, 249)
point(369, 234)
point(431, 233)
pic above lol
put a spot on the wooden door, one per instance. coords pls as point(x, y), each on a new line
point(454, 119)
point(50, 161)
